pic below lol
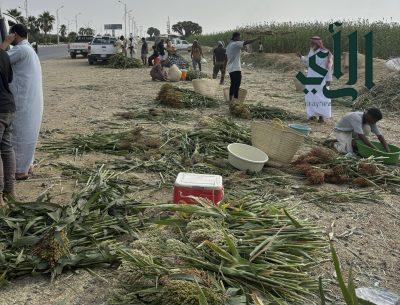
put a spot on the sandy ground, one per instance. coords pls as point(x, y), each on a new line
point(80, 99)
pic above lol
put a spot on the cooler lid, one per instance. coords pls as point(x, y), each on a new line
point(191, 180)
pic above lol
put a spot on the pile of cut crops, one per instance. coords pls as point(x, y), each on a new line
point(246, 251)
point(175, 97)
point(322, 165)
point(195, 74)
point(258, 111)
point(384, 95)
point(120, 61)
point(43, 237)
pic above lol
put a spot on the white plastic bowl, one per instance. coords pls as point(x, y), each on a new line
point(246, 157)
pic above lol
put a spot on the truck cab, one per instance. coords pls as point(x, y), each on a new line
point(101, 49)
point(80, 46)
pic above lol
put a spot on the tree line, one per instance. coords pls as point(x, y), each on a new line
point(39, 27)
point(183, 28)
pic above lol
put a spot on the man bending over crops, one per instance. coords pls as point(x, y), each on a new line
point(357, 125)
point(28, 95)
point(234, 65)
point(158, 73)
point(219, 60)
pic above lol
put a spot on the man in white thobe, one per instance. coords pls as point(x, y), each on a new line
point(317, 105)
point(28, 94)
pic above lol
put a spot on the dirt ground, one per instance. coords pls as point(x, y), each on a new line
point(80, 99)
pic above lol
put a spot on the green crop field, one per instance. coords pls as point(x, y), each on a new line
point(386, 36)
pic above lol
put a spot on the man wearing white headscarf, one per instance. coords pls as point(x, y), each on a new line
point(317, 105)
point(28, 94)
point(219, 60)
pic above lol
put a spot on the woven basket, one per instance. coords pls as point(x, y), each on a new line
point(242, 95)
point(206, 87)
point(277, 140)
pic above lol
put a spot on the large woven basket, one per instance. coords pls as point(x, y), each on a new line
point(205, 86)
point(277, 140)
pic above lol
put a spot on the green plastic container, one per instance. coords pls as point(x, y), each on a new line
point(390, 158)
point(303, 129)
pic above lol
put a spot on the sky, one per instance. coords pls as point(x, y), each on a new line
point(212, 15)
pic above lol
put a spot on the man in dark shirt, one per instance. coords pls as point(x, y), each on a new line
point(219, 59)
point(152, 58)
point(7, 111)
point(161, 49)
point(144, 51)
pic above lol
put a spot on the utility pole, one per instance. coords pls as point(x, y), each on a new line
point(26, 9)
point(130, 22)
point(168, 26)
point(76, 22)
point(125, 14)
point(68, 25)
point(58, 23)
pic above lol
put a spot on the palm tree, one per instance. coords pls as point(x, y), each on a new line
point(82, 31)
point(46, 21)
point(33, 26)
point(89, 32)
point(16, 14)
point(63, 31)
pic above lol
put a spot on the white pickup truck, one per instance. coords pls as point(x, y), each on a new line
point(101, 49)
point(181, 45)
point(80, 46)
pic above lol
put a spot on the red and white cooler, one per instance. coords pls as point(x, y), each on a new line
point(198, 185)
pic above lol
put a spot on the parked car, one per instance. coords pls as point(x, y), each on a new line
point(80, 46)
point(181, 45)
point(101, 49)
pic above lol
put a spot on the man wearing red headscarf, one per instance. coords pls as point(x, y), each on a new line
point(317, 105)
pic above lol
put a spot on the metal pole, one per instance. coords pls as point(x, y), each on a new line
point(126, 13)
point(26, 9)
point(58, 36)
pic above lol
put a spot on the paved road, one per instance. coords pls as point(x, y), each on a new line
point(52, 52)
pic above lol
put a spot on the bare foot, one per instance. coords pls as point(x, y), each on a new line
point(30, 171)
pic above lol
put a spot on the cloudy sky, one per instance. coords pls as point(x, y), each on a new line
point(213, 15)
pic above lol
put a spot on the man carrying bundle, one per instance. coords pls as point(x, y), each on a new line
point(234, 65)
point(357, 125)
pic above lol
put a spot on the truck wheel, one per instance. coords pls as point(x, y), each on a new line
point(73, 55)
point(85, 55)
point(91, 62)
